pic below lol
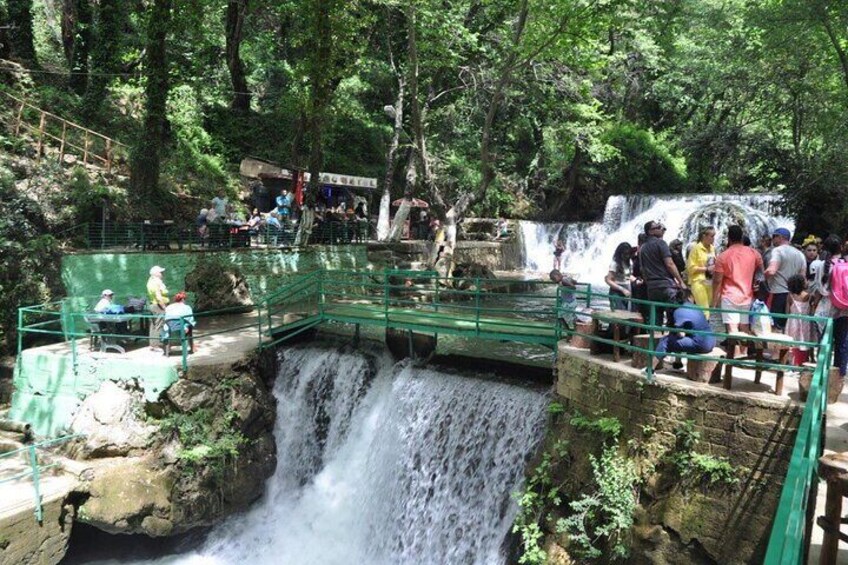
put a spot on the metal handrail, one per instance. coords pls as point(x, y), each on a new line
point(35, 469)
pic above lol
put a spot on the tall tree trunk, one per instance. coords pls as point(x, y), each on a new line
point(5, 49)
point(105, 50)
point(404, 209)
point(21, 36)
point(80, 45)
point(319, 97)
point(416, 113)
point(236, 12)
point(146, 156)
point(69, 29)
point(391, 158)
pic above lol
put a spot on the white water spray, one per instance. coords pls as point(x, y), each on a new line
point(381, 463)
point(590, 246)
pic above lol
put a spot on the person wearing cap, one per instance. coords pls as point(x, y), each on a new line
point(157, 300)
point(105, 302)
point(785, 261)
point(662, 279)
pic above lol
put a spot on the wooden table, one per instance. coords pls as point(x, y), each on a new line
point(833, 468)
point(616, 319)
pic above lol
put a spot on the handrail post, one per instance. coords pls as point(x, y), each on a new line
point(36, 478)
point(62, 144)
point(589, 295)
point(183, 343)
point(41, 125)
point(477, 304)
point(651, 341)
point(108, 155)
point(85, 150)
point(386, 296)
point(20, 117)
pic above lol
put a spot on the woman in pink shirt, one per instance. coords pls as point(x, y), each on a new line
point(733, 281)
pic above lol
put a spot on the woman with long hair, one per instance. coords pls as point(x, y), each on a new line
point(620, 277)
point(820, 301)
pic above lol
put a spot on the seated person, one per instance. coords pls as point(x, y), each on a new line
point(255, 222)
point(202, 222)
point(105, 303)
point(687, 317)
point(176, 310)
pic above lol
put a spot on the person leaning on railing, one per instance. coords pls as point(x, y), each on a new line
point(157, 300)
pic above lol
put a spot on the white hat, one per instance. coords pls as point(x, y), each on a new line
point(107, 292)
point(156, 270)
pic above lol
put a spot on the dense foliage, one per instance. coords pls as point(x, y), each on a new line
point(538, 109)
point(29, 259)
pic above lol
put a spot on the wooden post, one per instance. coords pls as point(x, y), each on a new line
point(108, 155)
point(62, 144)
point(85, 153)
point(20, 117)
point(40, 135)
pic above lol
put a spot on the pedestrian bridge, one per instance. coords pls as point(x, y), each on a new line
point(417, 301)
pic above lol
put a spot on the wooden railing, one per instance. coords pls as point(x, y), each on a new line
point(94, 147)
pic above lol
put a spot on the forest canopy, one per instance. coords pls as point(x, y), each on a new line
point(537, 109)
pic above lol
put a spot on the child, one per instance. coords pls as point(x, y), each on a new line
point(569, 302)
point(559, 249)
point(799, 330)
point(760, 317)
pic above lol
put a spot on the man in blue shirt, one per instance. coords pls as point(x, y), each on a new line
point(687, 317)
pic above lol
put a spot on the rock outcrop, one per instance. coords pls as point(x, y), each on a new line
point(200, 453)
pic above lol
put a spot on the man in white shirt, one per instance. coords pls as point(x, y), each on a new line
point(105, 301)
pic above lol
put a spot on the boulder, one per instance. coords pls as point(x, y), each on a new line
point(187, 395)
point(129, 496)
point(112, 419)
point(218, 284)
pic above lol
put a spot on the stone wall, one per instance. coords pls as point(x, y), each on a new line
point(24, 540)
point(680, 521)
point(405, 254)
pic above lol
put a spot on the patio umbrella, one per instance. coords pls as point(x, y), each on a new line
point(414, 203)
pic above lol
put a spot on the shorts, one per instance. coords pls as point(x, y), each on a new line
point(739, 316)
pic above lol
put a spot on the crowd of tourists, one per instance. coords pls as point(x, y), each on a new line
point(745, 284)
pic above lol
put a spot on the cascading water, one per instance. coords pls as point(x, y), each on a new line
point(589, 246)
point(382, 463)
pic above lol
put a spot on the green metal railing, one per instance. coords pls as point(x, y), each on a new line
point(473, 307)
point(35, 469)
point(789, 534)
point(166, 235)
point(71, 320)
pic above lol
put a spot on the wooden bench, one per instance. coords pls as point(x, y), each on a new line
point(616, 320)
point(705, 370)
point(778, 343)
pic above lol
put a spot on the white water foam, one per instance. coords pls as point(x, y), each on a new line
point(590, 246)
point(381, 463)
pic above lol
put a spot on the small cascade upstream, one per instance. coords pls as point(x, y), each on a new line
point(381, 463)
point(590, 246)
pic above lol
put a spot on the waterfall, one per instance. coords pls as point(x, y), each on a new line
point(384, 463)
point(589, 246)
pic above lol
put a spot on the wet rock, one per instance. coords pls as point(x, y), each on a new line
point(187, 395)
point(112, 419)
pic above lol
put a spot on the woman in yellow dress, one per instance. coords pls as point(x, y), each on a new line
point(700, 266)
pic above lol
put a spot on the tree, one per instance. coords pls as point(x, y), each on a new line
point(146, 157)
point(110, 19)
point(236, 13)
point(21, 34)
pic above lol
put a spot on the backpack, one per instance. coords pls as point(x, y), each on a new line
point(839, 285)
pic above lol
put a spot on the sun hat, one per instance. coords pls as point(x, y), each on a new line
point(156, 270)
point(107, 292)
point(782, 232)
